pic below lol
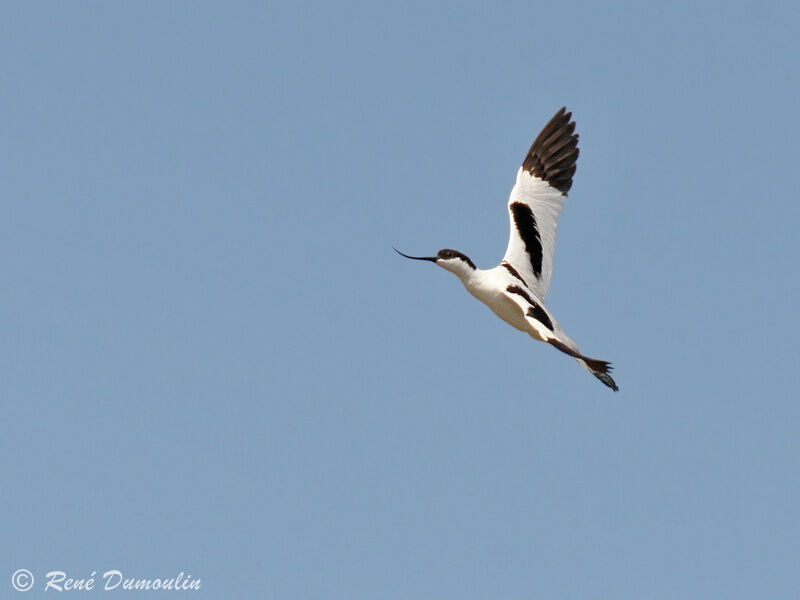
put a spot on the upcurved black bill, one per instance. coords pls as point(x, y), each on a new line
point(430, 258)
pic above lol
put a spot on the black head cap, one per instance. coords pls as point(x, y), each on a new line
point(446, 254)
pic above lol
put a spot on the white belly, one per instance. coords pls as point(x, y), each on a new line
point(504, 308)
point(489, 287)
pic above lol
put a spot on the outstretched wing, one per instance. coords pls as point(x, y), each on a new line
point(535, 314)
point(544, 328)
point(537, 199)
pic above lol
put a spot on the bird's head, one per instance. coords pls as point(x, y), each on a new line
point(452, 260)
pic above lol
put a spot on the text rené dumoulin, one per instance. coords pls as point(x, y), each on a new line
point(114, 579)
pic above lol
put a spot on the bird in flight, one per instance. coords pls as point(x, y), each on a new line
point(515, 289)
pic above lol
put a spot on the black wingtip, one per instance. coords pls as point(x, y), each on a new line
point(554, 153)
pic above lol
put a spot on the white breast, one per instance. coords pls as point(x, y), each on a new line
point(489, 287)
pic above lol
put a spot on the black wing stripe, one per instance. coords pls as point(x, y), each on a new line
point(553, 155)
point(515, 289)
point(514, 273)
point(535, 311)
point(525, 223)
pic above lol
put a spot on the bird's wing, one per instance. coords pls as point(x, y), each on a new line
point(535, 313)
point(537, 199)
point(548, 331)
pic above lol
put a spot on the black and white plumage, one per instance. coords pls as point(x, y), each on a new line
point(516, 289)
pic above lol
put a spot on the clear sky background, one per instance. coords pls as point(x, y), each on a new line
point(213, 362)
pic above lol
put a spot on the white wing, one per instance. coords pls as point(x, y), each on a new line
point(535, 314)
point(537, 199)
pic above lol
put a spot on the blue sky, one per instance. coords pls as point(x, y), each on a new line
point(213, 362)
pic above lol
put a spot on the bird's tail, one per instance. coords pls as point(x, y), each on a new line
point(599, 368)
